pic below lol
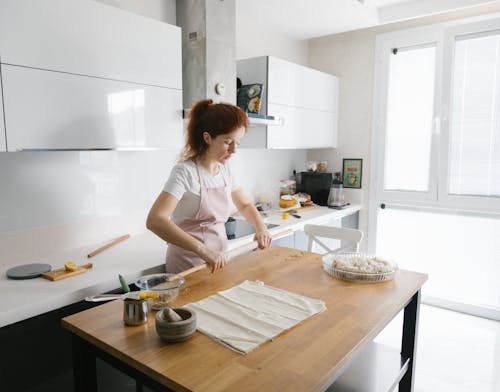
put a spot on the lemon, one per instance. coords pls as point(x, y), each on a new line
point(70, 266)
point(148, 294)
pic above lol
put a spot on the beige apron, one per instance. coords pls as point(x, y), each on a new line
point(207, 226)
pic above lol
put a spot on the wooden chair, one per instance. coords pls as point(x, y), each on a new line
point(352, 236)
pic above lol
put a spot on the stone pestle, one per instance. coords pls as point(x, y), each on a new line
point(171, 315)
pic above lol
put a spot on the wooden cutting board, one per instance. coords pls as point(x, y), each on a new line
point(61, 273)
point(307, 208)
point(298, 209)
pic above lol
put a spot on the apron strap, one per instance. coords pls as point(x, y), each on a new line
point(202, 180)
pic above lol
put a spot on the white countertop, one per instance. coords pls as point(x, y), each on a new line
point(139, 255)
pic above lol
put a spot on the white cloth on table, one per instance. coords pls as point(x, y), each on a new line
point(251, 313)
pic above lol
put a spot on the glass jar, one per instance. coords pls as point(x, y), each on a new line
point(288, 187)
point(311, 166)
point(322, 167)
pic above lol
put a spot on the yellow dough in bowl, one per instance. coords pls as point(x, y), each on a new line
point(287, 201)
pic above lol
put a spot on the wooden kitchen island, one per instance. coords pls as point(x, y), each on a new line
point(333, 347)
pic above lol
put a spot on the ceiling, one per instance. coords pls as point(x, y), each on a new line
point(305, 19)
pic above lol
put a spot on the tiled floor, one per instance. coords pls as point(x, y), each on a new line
point(455, 352)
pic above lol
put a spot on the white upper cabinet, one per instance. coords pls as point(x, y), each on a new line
point(102, 114)
point(305, 99)
point(315, 90)
point(83, 75)
point(302, 128)
point(285, 136)
point(90, 38)
point(281, 81)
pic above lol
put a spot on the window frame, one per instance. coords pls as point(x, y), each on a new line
point(443, 36)
point(462, 202)
point(405, 39)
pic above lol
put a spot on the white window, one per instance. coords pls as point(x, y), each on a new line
point(409, 118)
point(474, 160)
point(437, 160)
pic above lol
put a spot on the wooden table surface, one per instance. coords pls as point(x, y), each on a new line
point(305, 358)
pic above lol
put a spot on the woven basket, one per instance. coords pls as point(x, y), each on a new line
point(353, 276)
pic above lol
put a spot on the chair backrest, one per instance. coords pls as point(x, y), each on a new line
point(315, 232)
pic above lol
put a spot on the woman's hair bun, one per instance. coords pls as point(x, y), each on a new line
point(200, 107)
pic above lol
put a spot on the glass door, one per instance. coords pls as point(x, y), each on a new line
point(437, 162)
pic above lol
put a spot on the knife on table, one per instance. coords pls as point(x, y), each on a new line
point(130, 295)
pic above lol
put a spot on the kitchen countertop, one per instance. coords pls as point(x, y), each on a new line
point(141, 254)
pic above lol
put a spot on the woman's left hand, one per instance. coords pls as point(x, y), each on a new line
point(263, 238)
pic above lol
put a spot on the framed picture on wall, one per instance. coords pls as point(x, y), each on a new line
point(352, 170)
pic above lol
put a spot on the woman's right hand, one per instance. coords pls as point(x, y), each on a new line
point(214, 258)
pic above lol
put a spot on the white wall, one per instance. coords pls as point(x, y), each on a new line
point(351, 57)
point(254, 39)
point(163, 10)
point(98, 195)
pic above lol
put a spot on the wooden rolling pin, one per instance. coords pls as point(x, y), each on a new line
point(108, 245)
point(231, 254)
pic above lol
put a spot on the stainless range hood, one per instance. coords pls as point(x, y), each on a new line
point(209, 53)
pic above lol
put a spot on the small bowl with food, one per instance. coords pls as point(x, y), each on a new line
point(288, 202)
point(166, 285)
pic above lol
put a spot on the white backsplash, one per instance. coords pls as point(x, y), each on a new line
point(260, 171)
point(59, 200)
point(50, 188)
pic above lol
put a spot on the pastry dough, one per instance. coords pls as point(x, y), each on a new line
point(304, 199)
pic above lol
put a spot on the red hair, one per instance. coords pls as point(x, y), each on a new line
point(214, 118)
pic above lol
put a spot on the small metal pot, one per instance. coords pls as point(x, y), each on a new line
point(135, 312)
point(230, 228)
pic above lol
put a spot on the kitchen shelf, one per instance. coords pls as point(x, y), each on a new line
point(264, 120)
point(378, 368)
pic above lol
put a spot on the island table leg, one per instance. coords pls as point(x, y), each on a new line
point(409, 341)
point(84, 366)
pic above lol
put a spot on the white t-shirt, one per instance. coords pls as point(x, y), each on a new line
point(184, 185)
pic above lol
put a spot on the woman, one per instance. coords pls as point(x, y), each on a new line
point(200, 193)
